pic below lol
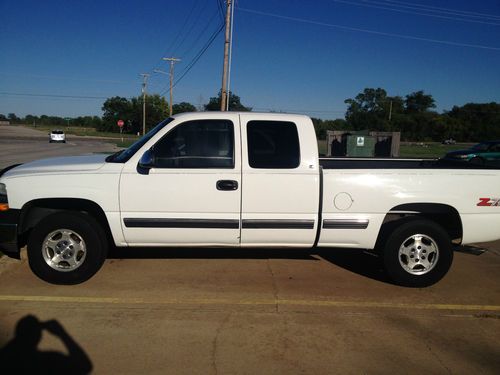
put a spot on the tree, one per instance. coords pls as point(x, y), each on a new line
point(156, 111)
point(234, 103)
point(322, 126)
point(370, 109)
point(115, 108)
point(183, 107)
point(418, 102)
point(130, 111)
point(13, 118)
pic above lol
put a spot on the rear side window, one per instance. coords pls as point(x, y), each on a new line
point(197, 144)
point(273, 145)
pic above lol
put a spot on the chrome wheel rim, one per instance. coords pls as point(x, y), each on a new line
point(64, 250)
point(418, 254)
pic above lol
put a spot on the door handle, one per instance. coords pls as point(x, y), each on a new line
point(227, 185)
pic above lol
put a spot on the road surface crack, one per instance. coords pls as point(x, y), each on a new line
point(437, 358)
point(215, 343)
point(275, 287)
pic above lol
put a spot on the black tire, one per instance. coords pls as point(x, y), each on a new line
point(477, 161)
point(91, 253)
point(418, 274)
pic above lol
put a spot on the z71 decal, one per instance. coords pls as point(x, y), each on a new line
point(489, 202)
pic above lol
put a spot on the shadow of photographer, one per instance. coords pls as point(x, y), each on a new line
point(22, 356)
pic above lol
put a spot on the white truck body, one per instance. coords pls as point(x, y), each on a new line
point(318, 202)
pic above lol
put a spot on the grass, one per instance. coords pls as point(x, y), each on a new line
point(424, 150)
point(115, 138)
point(429, 150)
point(85, 132)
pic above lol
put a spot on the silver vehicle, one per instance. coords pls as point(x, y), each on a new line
point(57, 136)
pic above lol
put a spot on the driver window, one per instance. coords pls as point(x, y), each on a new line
point(197, 144)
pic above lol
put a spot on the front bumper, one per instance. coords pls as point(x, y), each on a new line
point(9, 243)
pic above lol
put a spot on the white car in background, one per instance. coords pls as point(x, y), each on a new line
point(57, 136)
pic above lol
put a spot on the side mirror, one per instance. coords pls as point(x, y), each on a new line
point(147, 160)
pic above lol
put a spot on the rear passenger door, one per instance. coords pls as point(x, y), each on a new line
point(280, 195)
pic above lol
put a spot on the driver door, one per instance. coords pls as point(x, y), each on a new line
point(192, 194)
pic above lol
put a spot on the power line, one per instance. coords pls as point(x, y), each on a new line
point(197, 57)
point(201, 34)
point(63, 78)
point(367, 31)
point(385, 7)
point(221, 9)
point(54, 95)
point(174, 40)
point(188, 32)
point(444, 10)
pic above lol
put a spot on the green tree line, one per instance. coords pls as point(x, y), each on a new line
point(413, 115)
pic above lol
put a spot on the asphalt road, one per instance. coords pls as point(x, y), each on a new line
point(20, 145)
point(214, 311)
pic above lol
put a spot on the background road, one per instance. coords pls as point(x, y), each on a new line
point(220, 311)
point(20, 144)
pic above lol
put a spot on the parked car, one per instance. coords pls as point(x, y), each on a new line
point(477, 154)
point(57, 136)
point(449, 141)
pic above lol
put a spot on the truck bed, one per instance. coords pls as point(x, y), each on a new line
point(400, 163)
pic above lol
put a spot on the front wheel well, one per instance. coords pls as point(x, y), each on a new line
point(34, 211)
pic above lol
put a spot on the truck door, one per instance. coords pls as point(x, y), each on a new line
point(280, 196)
point(191, 196)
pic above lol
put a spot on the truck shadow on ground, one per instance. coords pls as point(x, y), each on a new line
point(354, 260)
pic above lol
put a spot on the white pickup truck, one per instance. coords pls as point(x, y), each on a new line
point(243, 180)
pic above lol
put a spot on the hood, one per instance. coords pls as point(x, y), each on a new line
point(60, 164)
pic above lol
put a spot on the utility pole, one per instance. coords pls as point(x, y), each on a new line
point(390, 111)
point(144, 83)
point(228, 99)
point(172, 60)
point(223, 101)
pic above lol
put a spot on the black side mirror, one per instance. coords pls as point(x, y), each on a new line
point(147, 160)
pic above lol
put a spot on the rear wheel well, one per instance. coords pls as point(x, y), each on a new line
point(34, 211)
point(444, 215)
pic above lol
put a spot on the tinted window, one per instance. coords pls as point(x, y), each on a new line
point(273, 144)
point(197, 144)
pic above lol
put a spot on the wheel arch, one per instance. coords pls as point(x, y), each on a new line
point(444, 215)
point(34, 211)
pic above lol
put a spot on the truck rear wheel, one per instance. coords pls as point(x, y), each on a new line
point(418, 253)
point(66, 248)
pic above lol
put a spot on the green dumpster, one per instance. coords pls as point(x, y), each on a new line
point(359, 145)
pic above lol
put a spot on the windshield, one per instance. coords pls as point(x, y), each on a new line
point(481, 147)
point(124, 155)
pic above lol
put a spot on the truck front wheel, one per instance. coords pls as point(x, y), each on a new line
point(66, 248)
point(418, 253)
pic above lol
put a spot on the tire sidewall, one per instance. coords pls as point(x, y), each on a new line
point(87, 228)
point(391, 253)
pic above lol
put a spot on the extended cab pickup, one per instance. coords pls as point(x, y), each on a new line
point(243, 180)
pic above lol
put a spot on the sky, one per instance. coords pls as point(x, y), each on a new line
point(304, 56)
